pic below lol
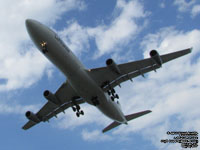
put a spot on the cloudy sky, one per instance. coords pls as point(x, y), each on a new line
point(125, 30)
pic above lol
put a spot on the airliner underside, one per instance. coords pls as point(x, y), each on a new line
point(92, 86)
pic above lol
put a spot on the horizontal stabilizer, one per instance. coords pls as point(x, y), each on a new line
point(111, 126)
point(136, 115)
point(128, 118)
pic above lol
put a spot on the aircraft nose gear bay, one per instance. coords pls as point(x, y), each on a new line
point(94, 86)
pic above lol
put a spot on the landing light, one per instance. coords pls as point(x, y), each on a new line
point(44, 46)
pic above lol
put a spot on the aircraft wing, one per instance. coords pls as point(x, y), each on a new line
point(106, 78)
point(65, 94)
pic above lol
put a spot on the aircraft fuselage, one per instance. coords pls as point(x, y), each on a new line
point(77, 75)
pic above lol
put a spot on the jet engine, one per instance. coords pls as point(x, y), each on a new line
point(112, 66)
point(51, 97)
point(156, 57)
point(31, 116)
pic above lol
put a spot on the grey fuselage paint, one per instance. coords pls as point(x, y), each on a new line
point(77, 75)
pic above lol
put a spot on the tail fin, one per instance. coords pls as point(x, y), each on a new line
point(128, 118)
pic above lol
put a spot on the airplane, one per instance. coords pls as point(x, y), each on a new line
point(93, 86)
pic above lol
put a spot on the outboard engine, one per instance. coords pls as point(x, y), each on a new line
point(112, 66)
point(31, 116)
point(156, 57)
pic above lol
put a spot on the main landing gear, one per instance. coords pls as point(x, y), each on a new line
point(112, 94)
point(76, 108)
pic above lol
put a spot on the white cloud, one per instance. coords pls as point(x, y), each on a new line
point(195, 10)
point(76, 37)
point(21, 65)
point(49, 73)
point(162, 5)
point(22, 70)
point(95, 136)
point(188, 6)
point(16, 109)
point(122, 29)
point(109, 38)
point(92, 115)
point(184, 5)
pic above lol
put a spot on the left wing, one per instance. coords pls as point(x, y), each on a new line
point(65, 94)
point(108, 79)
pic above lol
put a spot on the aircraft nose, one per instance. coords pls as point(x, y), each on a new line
point(28, 21)
point(29, 24)
point(34, 29)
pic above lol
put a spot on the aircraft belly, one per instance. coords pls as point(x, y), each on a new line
point(87, 89)
point(111, 110)
point(84, 85)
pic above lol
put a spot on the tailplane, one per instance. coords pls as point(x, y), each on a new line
point(128, 118)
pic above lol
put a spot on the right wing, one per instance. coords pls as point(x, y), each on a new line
point(65, 94)
point(108, 79)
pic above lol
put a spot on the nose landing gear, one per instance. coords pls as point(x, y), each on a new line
point(44, 47)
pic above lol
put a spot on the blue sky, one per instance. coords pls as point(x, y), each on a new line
point(125, 30)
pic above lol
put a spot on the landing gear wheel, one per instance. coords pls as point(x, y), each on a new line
point(113, 94)
point(77, 114)
point(117, 96)
point(81, 112)
point(112, 90)
point(109, 92)
point(112, 98)
point(78, 107)
point(74, 109)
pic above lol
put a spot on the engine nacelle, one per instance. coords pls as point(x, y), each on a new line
point(51, 97)
point(156, 57)
point(31, 116)
point(112, 66)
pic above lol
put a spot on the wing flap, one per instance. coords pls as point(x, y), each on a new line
point(62, 108)
point(129, 76)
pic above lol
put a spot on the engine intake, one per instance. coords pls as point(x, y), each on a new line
point(31, 116)
point(156, 57)
point(51, 97)
point(113, 66)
